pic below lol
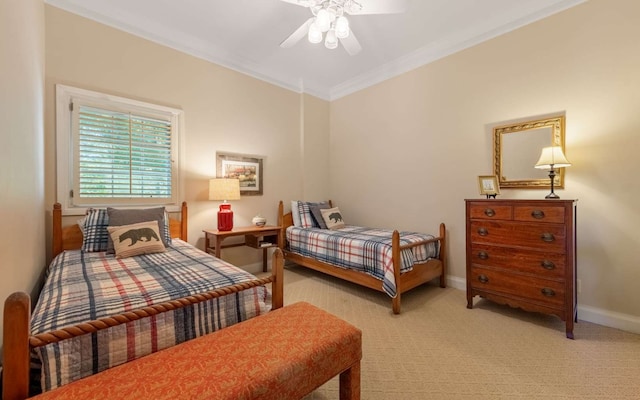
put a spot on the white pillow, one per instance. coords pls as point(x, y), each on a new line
point(295, 213)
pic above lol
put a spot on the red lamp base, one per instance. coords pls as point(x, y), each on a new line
point(225, 217)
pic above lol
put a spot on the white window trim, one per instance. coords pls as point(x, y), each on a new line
point(64, 174)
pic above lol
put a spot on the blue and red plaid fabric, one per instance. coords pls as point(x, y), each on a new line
point(306, 217)
point(83, 286)
point(96, 236)
point(366, 250)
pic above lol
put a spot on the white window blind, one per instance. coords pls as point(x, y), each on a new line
point(122, 155)
point(114, 151)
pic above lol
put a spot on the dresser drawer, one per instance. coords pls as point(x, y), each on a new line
point(550, 214)
point(544, 265)
point(489, 211)
point(518, 235)
point(541, 290)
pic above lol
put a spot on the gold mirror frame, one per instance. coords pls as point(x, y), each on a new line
point(528, 153)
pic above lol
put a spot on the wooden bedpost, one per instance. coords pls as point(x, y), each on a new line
point(277, 273)
point(16, 331)
point(281, 225)
point(56, 244)
point(395, 252)
point(183, 221)
point(443, 255)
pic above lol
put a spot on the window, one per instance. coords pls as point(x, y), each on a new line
point(115, 151)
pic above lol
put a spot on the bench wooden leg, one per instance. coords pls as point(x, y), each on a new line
point(350, 383)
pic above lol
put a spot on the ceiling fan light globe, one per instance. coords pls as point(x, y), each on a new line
point(342, 27)
point(331, 40)
point(315, 34)
point(323, 20)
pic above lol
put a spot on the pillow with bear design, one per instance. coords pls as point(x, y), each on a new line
point(333, 218)
point(136, 239)
point(119, 216)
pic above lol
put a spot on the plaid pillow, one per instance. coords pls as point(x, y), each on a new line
point(96, 236)
point(306, 217)
point(166, 234)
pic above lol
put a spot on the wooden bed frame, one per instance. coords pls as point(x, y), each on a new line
point(421, 273)
point(18, 341)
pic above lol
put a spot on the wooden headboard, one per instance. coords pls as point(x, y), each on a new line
point(70, 237)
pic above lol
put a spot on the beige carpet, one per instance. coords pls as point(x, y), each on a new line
point(438, 349)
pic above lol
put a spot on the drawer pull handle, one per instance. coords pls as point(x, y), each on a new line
point(483, 255)
point(483, 278)
point(489, 212)
point(537, 214)
point(483, 232)
point(547, 237)
point(548, 292)
point(546, 264)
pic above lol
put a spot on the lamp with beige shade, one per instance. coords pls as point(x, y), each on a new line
point(224, 189)
point(550, 158)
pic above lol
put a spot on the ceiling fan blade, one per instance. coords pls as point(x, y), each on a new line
point(379, 7)
point(299, 33)
point(351, 44)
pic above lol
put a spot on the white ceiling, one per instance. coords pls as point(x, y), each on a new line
point(244, 35)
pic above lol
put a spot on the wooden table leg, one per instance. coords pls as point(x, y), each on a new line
point(218, 246)
point(264, 260)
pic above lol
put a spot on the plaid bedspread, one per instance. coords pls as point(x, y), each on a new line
point(366, 250)
point(83, 286)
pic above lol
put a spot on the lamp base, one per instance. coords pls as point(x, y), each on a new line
point(552, 177)
point(225, 217)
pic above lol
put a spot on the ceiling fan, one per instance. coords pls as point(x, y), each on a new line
point(329, 18)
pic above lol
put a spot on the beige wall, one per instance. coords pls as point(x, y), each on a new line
point(433, 139)
point(315, 147)
point(22, 255)
point(224, 111)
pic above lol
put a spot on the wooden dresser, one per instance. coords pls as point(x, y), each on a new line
point(522, 253)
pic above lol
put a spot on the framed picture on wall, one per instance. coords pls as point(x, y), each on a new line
point(248, 169)
point(488, 185)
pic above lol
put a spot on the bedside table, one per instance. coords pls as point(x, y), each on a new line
point(257, 237)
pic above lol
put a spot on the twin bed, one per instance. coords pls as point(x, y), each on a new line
point(97, 311)
point(392, 262)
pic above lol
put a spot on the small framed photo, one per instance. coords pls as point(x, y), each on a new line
point(248, 169)
point(488, 185)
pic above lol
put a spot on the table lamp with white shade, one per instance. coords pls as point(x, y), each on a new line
point(551, 158)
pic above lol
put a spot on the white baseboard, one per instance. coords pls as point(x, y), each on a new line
point(612, 319)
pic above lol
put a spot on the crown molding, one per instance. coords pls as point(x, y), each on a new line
point(223, 57)
point(195, 47)
point(440, 49)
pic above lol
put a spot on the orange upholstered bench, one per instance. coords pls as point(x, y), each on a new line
point(284, 354)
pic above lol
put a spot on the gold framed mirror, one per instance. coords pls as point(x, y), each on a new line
point(517, 148)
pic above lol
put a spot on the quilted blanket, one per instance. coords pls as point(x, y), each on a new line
point(362, 249)
point(82, 286)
